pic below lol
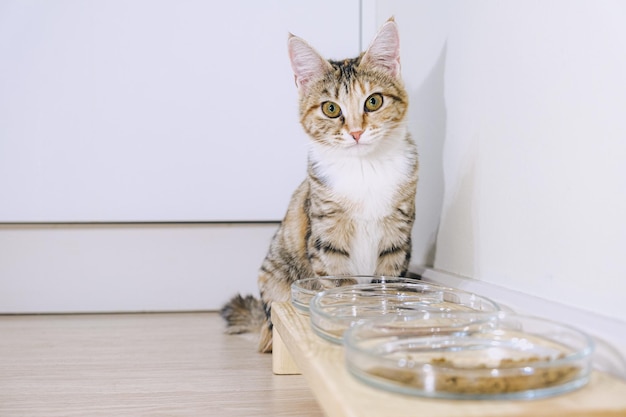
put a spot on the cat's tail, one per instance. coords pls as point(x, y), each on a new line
point(248, 315)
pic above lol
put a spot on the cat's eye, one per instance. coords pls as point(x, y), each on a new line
point(331, 109)
point(374, 102)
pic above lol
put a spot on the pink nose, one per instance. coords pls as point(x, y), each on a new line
point(356, 135)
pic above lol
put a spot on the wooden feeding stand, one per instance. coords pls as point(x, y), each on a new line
point(298, 350)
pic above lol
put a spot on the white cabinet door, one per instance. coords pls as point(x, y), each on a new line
point(134, 267)
point(155, 110)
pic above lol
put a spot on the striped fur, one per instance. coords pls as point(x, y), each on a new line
point(354, 212)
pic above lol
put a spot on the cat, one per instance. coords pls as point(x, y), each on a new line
point(354, 212)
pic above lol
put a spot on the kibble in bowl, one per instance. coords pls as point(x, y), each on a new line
point(469, 355)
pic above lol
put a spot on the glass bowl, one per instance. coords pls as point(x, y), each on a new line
point(303, 290)
point(463, 355)
point(334, 311)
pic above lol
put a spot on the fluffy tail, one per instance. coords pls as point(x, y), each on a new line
point(248, 315)
point(243, 314)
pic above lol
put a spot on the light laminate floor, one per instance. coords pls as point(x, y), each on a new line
point(178, 364)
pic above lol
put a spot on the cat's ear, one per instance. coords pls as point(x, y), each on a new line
point(306, 63)
point(384, 51)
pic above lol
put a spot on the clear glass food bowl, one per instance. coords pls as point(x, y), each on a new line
point(303, 290)
point(334, 311)
point(469, 355)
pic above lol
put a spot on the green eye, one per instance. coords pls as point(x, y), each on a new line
point(331, 109)
point(374, 102)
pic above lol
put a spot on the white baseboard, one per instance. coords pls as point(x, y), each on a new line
point(608, 333)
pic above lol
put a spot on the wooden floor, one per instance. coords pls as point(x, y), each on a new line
point(139, 365)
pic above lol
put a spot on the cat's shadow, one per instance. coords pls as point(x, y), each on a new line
point(427, 123)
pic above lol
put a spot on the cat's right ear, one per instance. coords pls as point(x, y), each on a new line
point(306, 63)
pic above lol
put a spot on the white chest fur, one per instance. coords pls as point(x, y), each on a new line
point(366, 181)
point(371, 188)
point(368, 186)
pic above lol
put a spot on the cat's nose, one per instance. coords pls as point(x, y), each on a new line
point(356, 134)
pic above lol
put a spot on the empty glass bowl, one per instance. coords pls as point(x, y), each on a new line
point(303, 290)
point(334, 311)
point(465, 355)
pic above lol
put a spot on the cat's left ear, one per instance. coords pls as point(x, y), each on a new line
point(384, 51)
point(306, 63)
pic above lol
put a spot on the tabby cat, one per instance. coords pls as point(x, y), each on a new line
point(354, 212)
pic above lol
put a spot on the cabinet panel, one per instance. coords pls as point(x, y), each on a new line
point(155, 110)
point(108, 268)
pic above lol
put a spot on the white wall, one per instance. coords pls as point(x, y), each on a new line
point(155, 110)
point(534, 164)
point(533, 143)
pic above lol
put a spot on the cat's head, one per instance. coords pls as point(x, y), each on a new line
point(355, 103)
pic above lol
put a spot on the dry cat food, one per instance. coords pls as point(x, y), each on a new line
point(496, 382)
point(469, 355)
